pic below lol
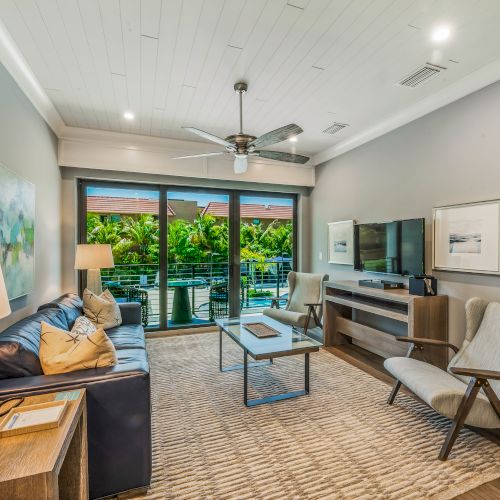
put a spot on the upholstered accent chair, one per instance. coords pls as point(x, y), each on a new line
point(304, 303)
point(467, 391)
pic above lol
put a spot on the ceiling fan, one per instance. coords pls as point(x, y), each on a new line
point(242, 145)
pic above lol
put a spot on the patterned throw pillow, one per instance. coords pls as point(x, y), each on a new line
point(102, 309)
point(83, 326)
point(62, 351)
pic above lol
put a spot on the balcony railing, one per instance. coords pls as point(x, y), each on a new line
point(140, 282)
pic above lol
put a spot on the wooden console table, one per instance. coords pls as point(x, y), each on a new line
point(372, 319)
point(48, 464)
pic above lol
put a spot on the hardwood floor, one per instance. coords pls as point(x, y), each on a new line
point(373, 364)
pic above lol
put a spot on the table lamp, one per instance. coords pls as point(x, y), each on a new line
point(4, 299)
point(93, 258)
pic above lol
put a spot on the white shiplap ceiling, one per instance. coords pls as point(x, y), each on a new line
point(313, 62)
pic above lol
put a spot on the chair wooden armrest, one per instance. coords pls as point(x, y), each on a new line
point(421, 342)
point(275, 301)
point(473, 372)
point(311, 311)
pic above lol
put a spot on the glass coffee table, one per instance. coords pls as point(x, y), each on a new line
point(289, 342)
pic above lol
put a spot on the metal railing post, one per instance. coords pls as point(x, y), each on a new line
point(192, 288)
point(277, 279)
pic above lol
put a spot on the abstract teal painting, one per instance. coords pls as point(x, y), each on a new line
point(17, 233)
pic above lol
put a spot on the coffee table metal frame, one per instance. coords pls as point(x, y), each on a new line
point(269, 357)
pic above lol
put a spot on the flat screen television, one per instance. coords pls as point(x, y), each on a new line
point(396, 247)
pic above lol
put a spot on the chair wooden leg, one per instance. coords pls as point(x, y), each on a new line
point(462, 412)
point(490, 393)
point(397, 384)
point(316, 317)
point(394, 392)
point(308, 319)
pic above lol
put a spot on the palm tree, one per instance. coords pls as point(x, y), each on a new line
point(102, 231)
point(179, 245)
point(209, 237)
point(142, 233)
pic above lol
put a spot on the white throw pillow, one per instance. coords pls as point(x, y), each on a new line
point(83, 326)
point(102, 309)
point(62, 351)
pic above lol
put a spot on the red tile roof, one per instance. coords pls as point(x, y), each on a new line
point(119, 205)
point(250, 211)
point(122, 205)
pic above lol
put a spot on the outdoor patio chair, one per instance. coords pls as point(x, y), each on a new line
point(467, 391)
point(304, 302)
point(130, 293)
point(218, 298)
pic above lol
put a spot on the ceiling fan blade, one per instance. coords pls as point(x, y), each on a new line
point(210, 137)
point(280, 156)
point(275, 136)
point(240, 164)
point(197, 156)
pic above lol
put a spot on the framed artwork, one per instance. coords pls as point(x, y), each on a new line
point(17, 233)
point(467, 238)
point(340, 242)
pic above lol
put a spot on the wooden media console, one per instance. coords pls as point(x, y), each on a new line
point(371, 319)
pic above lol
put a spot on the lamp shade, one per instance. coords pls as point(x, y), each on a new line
point(4, 299)
point(94, 256)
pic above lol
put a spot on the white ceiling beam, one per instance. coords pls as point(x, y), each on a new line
point(16, 65)
point(120, 152)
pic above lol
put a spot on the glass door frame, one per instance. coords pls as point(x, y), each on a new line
point(234, 223)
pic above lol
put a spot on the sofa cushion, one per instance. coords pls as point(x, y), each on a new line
point(70, 304)
point(440, 390)
point(127, 337)
point(62, 351)
point(20, 343)
point(102, 309)
point(131, 313)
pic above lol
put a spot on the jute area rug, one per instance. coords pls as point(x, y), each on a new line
point(340, 442)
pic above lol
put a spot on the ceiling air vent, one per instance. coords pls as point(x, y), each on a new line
point(421, 75)
point(336, 127)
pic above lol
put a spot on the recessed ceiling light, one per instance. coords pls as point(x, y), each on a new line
point(441, 33)
point(293, 138)
point(128, 115)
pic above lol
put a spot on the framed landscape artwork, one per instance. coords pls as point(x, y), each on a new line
point(17, 233)
point(340, 242)
point(467, 238)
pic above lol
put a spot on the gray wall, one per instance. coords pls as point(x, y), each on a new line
point(449, 156)
point(29, 148)
point(69, 206)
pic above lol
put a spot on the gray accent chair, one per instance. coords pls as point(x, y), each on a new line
point(467, 391)
point(304, 303)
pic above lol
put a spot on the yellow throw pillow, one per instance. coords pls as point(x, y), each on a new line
point(102, 309)
point(62, 351)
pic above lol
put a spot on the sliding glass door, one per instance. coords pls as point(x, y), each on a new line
point(127, 219)
point(190, 256)
point(267, 249)
point(198, 253)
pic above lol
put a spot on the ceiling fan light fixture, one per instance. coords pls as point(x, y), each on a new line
point(240, 163)
point(241, 145)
